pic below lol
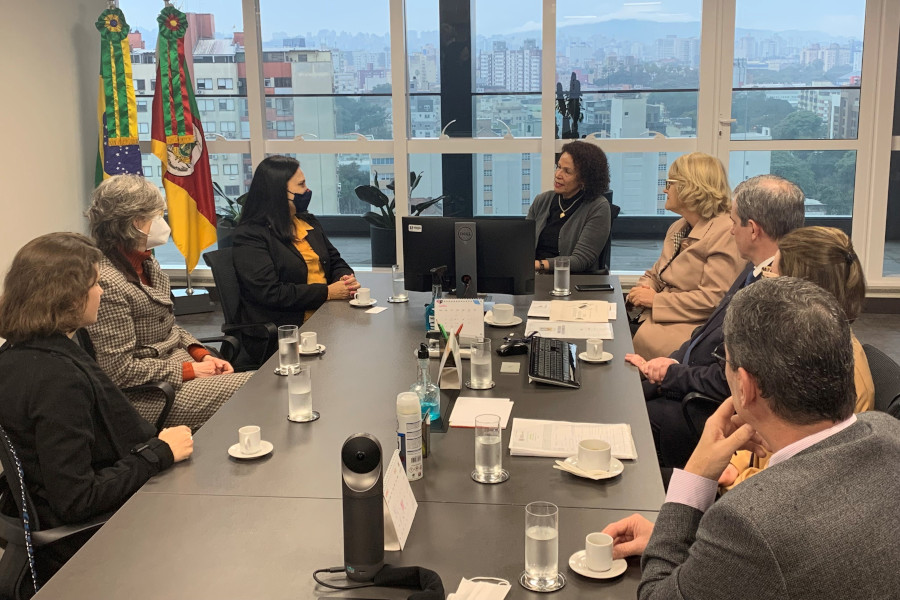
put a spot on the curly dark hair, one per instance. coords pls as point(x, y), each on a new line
point(591, 166)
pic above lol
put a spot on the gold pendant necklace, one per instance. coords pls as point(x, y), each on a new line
point(563, 211)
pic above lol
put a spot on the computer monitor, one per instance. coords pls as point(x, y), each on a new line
point(504, 253)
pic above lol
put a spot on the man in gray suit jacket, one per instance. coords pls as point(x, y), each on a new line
point(819, 522)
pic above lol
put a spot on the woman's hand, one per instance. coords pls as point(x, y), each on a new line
point(339, 290)
point(728, 476)
point(221, 366)
point(179, 440)
point(351, 282)
point(641, 296)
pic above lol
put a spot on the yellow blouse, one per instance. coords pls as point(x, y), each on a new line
point(315, 272)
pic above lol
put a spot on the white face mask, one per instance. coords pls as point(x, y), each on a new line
point(159, 232)
point(481, 588)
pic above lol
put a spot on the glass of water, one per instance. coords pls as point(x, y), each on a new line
point(542, 548)
point(300, 395)
point(561, 276)
point(480, 377)
point(398, 285)
point(488, 450)
point(288, 349)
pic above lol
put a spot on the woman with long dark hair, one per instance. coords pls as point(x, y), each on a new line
point(285, 264)
point(573, 218)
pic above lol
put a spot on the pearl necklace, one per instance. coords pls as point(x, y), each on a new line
point(563, 211)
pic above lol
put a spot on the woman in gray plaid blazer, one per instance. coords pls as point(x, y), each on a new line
point(135, 336)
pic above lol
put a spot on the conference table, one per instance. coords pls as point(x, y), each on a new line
point(219, 527)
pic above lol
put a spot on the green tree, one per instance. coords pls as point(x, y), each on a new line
point(800, 125)
point(788, 165)
point(753, 110)
point(364, 114)
point(349, 177)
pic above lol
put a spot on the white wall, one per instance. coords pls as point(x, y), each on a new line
point(48, 110)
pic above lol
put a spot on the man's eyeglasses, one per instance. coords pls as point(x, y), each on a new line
point(670, 182)
point(719, 355)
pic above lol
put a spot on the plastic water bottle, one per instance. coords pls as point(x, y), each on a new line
point(429, 394)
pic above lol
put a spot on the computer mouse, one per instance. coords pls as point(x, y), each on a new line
point(512, 348)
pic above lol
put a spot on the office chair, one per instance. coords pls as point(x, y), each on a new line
point(221, 263)
point(165, 389)
point(21, 531)
point(697, 408)
point(605, 257)
point(886, 376)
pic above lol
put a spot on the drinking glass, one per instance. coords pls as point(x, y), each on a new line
point(561, 276)
point(542, 548)
point(288, 349)
point(398, 285)
point(480, 377)
point(300, 396)
point(488, 450)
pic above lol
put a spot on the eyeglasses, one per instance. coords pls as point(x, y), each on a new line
point(719, 355)
point(670, 182)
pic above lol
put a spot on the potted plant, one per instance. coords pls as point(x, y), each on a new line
point(382, 224)
point(227, 215)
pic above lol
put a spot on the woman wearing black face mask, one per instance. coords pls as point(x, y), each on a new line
point(285, 264)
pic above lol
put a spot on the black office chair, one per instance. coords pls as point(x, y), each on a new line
point(221, 263)
point(886, 376)
point(20, 529)
point(603, 261)
point(161, 389)
point(697, 408)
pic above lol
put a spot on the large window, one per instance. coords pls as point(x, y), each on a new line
point(764, 85)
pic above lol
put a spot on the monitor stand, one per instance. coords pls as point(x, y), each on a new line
point(465, 244)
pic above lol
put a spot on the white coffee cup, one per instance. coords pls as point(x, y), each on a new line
point(598, 551)
point(595, 348)
point(363, 296)
point(249, 437)
point(308, 341)
point(502, 313)
point(593, 455)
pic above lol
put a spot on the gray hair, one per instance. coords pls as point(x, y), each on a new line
point(793, 337)
point(773, 202)
point(116, 204)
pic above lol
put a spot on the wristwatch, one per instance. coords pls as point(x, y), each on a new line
point(144, 451)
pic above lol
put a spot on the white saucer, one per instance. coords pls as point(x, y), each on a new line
point(578, 563)
point(616, 468)
point(320, 348)
point(604, 358)
point(359, 304)
point(264, 448)
point(489, 319)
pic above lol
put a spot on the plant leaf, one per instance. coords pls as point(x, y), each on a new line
point(378, 220)
point(390, 186)
point(416, 209)
point(414, 180)
point(372, 195)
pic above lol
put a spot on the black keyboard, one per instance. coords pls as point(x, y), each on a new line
point(554, 362)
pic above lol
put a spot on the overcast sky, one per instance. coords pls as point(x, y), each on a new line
point(836, 17)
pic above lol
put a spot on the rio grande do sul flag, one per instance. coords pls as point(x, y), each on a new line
point(178, 142)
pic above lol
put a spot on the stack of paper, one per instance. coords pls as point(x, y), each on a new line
point(560, 439)
point(467, 408)
point(541, 308)
point(565, 330)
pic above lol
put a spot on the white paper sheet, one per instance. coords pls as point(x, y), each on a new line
point(585, 311)
point(467, 408)
point(399, 503)
point(574, 331)
point(541, 309)
point(559, 439)
point(453, 312)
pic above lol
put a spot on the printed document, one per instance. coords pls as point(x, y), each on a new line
point(559, 439)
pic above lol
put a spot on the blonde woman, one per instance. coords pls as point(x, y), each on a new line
point(699, 260)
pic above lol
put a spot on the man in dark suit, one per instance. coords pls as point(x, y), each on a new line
point(764, 209)
point(816, 523)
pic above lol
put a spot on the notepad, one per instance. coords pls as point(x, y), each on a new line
point(559, 439)
point(467, 408)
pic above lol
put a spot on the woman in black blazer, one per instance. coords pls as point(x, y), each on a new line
point(285, 265)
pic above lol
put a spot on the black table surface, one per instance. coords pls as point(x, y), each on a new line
point(219, 527)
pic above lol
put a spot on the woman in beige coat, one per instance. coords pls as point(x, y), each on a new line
point(699, 260)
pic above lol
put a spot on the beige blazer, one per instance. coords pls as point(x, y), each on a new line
point(690, 288)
